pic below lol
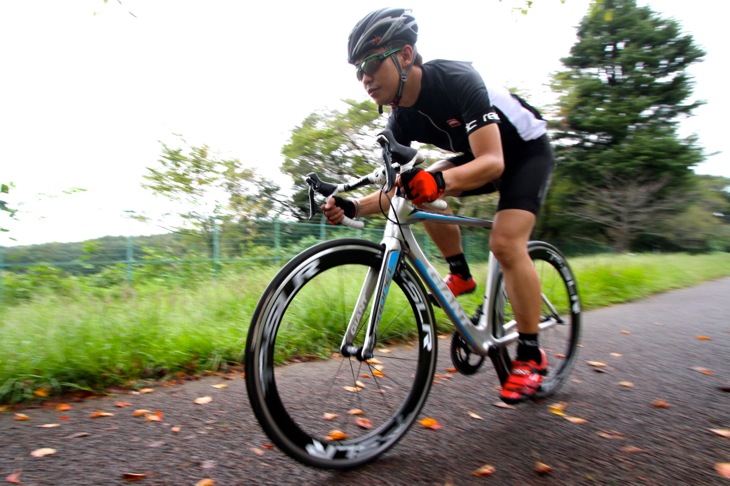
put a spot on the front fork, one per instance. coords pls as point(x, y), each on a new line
point(376, 283)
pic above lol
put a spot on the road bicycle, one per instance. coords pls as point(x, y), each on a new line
point(350, 391)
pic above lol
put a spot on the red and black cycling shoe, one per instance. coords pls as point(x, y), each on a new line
point(524, 380)
point(458, 285)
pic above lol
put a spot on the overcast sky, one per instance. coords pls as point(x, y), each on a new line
point(89, 89)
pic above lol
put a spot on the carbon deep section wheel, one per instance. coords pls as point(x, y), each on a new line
point(318, 406)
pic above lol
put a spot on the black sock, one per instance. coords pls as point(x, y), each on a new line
point(458, 266)
point(528, 348)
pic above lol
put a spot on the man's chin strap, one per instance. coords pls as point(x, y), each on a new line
point(403, 77)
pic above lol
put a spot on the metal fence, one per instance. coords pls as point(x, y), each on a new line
point(115, 260)
point(255, 243)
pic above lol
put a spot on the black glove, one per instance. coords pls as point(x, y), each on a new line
point(347, 206)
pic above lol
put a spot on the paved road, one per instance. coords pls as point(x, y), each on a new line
point(625, 439)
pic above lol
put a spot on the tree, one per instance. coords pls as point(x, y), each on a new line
point(335, 145)
point(4, 207)
point(211, 189)
point(624, 92)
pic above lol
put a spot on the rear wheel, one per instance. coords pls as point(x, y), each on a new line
point(560, 319)
point(320, 407)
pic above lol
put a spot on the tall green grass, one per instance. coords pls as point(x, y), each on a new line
point(92, 341)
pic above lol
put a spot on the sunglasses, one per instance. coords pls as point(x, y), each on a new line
point(371, 63)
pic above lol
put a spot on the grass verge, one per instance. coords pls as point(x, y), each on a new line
point(89, 342)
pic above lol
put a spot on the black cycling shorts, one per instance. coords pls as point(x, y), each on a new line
point(526, 176)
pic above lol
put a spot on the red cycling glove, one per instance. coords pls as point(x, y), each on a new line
point(422, 186)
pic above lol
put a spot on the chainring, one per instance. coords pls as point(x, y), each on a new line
point(464, 359)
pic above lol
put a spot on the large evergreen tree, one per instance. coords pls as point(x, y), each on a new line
point(624, 92)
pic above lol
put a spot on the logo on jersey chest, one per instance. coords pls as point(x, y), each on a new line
point(453, 123)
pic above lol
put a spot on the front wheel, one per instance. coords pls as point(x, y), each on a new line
point(318, 406)
point(560, 318)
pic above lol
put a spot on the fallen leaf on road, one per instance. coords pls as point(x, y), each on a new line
point(703, 338)
point(122, 404)
point(356, 411)
point(43, 452)
point(133, 477)
point(430, 423)
point(257, 451)
point(625, 332)
point(617, 355)
point(77, 435)
point(722, 432)
point(13, 478)
point(625, 384)
point(378, 373)
point(352, 389)
point(631, 450)
point(100, 413)
point(485, 470)
point(157, 416)
point(597, 364)
point(330, 416)
point(63, 407)
point(364, 423)
point(175, 429)
point(144, 391)
point(576, 420)
point(542, 468)
point(659, 403)
point(475, 415)
point(141, 412)
point(704, 371)
point(21, 417)
point(452, 370)
point(558, 408)
point(610, 434)
point(48, 426)
point(723, 469)
point(336, 435)
point(504, 405)
point(203, 400)
point(205, 482)
point(42, 392)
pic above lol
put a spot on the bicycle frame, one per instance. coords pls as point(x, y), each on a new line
point(399, 241)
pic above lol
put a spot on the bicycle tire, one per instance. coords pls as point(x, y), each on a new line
point(290, 393)
point(560, 342)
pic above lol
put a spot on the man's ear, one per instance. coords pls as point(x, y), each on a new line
point(407, 55)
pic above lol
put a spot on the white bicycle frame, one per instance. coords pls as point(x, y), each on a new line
point(398, 238)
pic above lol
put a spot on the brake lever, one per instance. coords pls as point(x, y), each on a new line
point(387, 162)
point(316, 184)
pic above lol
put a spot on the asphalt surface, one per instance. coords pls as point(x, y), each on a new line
point(674, 349)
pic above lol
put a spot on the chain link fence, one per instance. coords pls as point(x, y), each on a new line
point(182, 256)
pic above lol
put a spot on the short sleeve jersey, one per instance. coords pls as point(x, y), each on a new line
point(454, 102)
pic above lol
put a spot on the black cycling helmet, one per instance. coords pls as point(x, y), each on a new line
point(380, 27)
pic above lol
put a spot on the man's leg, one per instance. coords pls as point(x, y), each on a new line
point(508, 242)
point(447, 238)
point(510, 234)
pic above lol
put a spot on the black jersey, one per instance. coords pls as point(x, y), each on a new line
point(454, 101)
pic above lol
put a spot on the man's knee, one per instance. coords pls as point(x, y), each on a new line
point(507, 250)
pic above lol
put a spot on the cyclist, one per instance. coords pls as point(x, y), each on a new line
point(500, 144)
